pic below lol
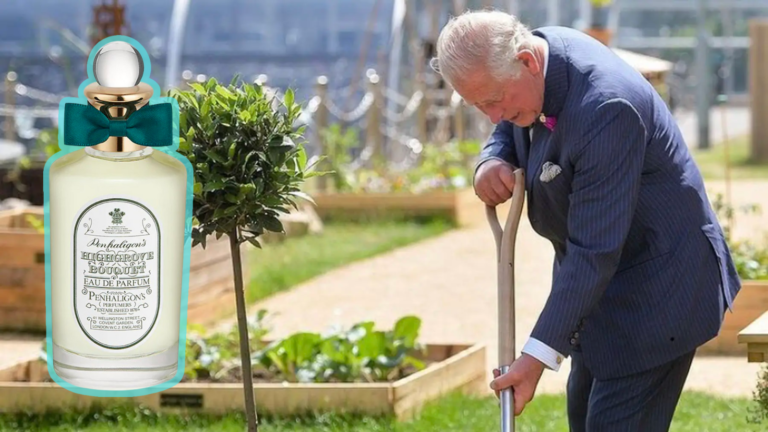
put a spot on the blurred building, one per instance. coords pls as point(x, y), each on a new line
point(294, 41)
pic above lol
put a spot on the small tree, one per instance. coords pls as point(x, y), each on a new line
point(248, 162)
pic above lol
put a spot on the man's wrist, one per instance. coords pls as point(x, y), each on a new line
point(550, 358)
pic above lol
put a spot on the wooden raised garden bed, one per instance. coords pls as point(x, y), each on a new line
point(450, 368)
point(29, 185)
point(461, 206)
point(22, 272)
point(750, 304)
point(22, 275)
point(211, 285)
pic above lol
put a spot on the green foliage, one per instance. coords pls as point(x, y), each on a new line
point(36, 223)
point(453, 412)
point(446, 167)
point(248, 157)
point(760, 397)
point(358, 354)
point(711, 161)
point(338, 143)
point(441, 167)
point(46, 145)
point(288, 263)
point(751, 262)
point(750, 259)
point(213, 357)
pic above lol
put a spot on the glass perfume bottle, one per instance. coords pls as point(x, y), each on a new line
point(117, 213)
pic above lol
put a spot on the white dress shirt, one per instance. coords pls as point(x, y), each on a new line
point(534, 347)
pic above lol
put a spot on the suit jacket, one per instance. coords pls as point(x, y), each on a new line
point(642, 271)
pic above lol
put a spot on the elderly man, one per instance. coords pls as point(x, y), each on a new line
point(642, 273)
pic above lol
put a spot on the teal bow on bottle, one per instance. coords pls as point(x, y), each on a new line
point(151, 126)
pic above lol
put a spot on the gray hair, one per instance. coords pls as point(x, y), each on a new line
point(487, 38)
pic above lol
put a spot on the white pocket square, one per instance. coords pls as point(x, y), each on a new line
point(549, 171)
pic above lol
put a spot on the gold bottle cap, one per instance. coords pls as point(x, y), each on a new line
point(118, 69)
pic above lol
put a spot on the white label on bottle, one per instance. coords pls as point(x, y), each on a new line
point(117, 272)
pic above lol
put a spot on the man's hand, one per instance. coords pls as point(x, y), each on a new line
point(494, 182)
point(523, 376)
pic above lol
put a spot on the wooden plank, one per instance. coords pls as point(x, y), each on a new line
point(407, 385)
point(215, 250)
point(20, 277)
point(465, 370)
point(27, 298)
point(756, 332)
point(204, 297)
point(751, 302)
point(372, 399)
point(22, 249)
point(351, 201)
point(8, 218)
point(38, 397)
point(26, 320)
point(757, 352)
point(16, 218)
point(209, 312)
point(460, 371)
point(210, 274)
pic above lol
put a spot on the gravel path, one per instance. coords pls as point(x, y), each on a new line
point(450, 282)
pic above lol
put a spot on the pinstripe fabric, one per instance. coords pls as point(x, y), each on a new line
point(643, 274)
point(643, 402)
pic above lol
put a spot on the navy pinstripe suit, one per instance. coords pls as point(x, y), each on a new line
point(642, 273)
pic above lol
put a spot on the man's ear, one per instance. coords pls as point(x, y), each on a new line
point(528, 59)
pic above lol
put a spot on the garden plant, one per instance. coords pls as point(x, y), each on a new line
point(249, 163)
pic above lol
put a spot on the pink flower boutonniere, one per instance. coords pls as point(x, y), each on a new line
point(549, 122)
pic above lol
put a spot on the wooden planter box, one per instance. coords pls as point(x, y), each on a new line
point(22, 275)
point(755, 337)
point(31, 180)
point(454, 368)
point(22, 272)
point(211, 285)
point(461, 207)
point(750, 304)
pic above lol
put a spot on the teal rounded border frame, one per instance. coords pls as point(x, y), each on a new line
point(170, 150)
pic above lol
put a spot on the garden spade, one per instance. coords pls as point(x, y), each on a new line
point(505, 257)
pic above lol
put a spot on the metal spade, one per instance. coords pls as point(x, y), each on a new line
point(505, 255)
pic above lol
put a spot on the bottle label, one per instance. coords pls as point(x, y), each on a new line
point(117, 272)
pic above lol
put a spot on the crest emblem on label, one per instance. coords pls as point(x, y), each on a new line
point(116, 272)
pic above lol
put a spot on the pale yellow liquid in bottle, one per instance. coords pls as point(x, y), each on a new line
point(158, 181)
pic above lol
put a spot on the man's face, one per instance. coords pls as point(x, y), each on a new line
point(518, 101)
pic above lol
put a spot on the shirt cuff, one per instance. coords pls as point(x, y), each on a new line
point(543, 353)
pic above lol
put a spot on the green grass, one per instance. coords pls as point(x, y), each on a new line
point(283, 265)
point(711, 162)
point(696, 413)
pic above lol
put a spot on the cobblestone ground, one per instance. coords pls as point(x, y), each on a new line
point(450, 282)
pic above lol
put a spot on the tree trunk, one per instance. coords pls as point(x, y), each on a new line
point(242, 325)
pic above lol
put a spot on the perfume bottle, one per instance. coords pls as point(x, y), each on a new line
point(117, 214)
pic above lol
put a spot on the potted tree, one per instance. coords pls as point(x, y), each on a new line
point(249, 163)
